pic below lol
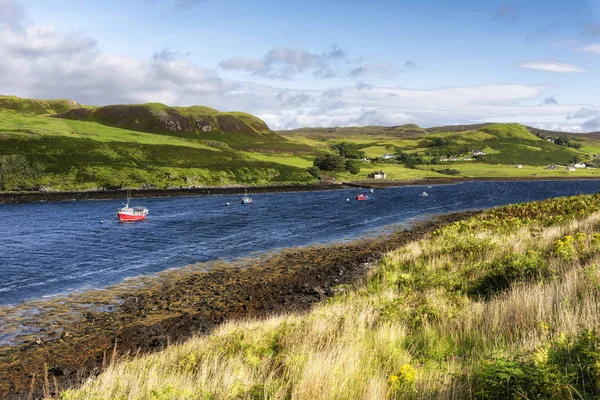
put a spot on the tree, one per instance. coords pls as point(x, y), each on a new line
point(17, 173)
point(314, 171)
point(330, 162)
point(438, 142)
point(353, 166)
point(348, 150)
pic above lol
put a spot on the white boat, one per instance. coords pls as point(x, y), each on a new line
point(246, 199)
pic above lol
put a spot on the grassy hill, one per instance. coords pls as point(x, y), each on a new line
point(148, 145)
point(503, 305)
point(36, 107)
point(505, 145)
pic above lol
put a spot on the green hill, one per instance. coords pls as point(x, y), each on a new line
point(36, 107)
point(449, 149)
point(504, 305)
point(239, 130)
point(148, 145)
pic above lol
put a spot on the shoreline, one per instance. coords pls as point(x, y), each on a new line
point(72, 335)
point(38, 197)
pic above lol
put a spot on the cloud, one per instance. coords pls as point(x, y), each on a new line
point(550, 100)
point(592, 125)
point(376, 70)
point(168, 55)
point(11, 13)
point(550, 66)
point(284, 63)
point(411, 65)
point(591, 48)
point(36, 41)
point(584, 112)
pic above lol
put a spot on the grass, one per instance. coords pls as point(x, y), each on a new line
point(470, 169)
point(69, 155)
point(502, 305)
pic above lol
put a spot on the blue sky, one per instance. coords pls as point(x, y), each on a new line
point(315, 63)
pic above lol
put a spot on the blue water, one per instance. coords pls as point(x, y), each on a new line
point(55, 248)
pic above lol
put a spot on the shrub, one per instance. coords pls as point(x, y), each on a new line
point(314, 171)
point(448, 171)
point(330, 162)
point(502, 273)
point(353, 166)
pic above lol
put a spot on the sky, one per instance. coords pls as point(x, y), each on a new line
point(315, 63)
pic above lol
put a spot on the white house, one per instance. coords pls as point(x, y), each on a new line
point(377, 175)
point(519, 165)
point(388, 157)
point(366, 159)
point(579, 165)
point(551, 140)
point(570, 168)
point(478, 153)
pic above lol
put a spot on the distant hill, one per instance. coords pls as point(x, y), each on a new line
point(61, 145)
point(36, 107)
point(400, 131)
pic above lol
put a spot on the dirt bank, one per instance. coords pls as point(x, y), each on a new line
point(146, 316)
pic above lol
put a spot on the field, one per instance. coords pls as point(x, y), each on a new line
point(502, 305)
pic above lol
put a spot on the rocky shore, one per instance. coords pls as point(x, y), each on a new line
point(75, 337)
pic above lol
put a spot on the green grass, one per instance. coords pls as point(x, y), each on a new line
point(36, 107)
point(479, 170)
point(83, 155)
point(503, 305)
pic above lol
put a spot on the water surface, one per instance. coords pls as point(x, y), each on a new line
point(55, 248)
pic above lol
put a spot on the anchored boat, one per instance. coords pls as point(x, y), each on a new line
point(246, 199)
point(131, 214)
point(362, 197)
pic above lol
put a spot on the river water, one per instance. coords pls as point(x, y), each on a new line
point(48, 249)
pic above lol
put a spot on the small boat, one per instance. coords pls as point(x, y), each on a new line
point(424, 194)
point(361, 197)
point(246, 199)
point(131, 214)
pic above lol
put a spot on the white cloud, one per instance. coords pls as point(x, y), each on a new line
point(550, 66)
point(591, 48)
point(284, 63)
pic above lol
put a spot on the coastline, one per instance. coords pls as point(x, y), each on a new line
point(145, 315)
point(35, 197)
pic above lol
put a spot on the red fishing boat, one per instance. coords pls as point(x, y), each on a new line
point(131, 214)
point(361, 197)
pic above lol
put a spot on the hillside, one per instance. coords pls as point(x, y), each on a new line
point(51, 145)
point(239, 130)
point(36, 107)
point(433, 151)
point(503, 305)
point(149, 145)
